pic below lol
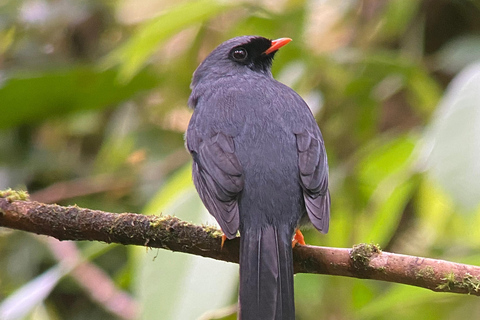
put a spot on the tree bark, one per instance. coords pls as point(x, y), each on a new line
point(362, 261)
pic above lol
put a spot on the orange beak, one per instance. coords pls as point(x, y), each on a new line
point(277, 44)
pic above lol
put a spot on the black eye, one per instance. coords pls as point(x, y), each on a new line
point(239, 54)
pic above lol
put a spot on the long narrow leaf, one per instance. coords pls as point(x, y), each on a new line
point(24, 300)
point(135, 52)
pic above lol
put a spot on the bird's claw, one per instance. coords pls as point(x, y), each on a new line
point(224, 237)
point(298, 238)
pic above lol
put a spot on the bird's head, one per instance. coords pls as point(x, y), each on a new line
point(238, 56)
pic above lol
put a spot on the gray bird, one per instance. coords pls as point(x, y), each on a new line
point(259, 166)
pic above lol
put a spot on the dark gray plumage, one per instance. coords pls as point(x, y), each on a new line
point(259, 166)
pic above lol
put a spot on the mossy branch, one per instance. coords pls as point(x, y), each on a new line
point(166, 232)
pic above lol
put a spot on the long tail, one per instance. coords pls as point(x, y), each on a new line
point(266, 274)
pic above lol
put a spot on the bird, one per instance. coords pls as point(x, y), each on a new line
point(259, 166)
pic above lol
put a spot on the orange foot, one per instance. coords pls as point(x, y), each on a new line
point(224, 237)
point(298, 238)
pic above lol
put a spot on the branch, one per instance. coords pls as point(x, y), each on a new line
point(166, 232)
point(94, 281)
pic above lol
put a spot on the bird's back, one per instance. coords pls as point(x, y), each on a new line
point(262, 122)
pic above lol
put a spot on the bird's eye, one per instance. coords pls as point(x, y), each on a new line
point(239, 54)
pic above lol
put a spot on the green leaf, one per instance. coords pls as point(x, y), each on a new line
point(134, 53)
point(179, 183)
point(452, 147)
point(387, 181)
point(421, 88)
point(25, 299)
point(6, 39)
point(119, 140)
point(399, 302)
point(389, 202)
point(397, 16)
point(32, 97)
point(382, 159)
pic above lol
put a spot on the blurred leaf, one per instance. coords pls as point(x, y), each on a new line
point(178, 184)
point(389, 203)
point(40, 312)
point(119, 141)
point(134, 53)
point(397, 16)
point(6, 39)
point(387, 181)
point(452, 142)
point(459, 53)
point(181, 286)
point(27, 98)
point(362, 294)
point(384, 158)
point(424, 90)
point(434, 209)
point(399, 302)
point(421, 87)
point(310, 291)
point(25, 299)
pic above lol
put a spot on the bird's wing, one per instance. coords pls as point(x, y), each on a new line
point(313, 167)
point(218, 177)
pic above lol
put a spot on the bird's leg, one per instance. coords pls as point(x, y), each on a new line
point(224, 237)
point(298, 238)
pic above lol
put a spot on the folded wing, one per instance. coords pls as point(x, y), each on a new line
point(218, 177)
point(313, 168)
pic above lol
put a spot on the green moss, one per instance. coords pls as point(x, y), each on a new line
point(212, 231)
point(157, 221)
point(449, 282)
point(14, 195)
point(468, 282)
point(382, 269)
point(361, 254)
point(425, 273)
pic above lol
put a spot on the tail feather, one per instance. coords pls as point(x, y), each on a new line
point(266, 274)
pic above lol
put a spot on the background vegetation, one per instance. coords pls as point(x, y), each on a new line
point(93, 99)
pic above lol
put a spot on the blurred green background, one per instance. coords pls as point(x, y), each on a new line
point(93, 107)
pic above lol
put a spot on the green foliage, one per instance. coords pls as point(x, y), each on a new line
point(454, 132)
point(93, 110)
point(28, 97)
point(134, 53)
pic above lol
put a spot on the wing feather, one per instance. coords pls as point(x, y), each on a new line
point(313, 168)
point(218, 177)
